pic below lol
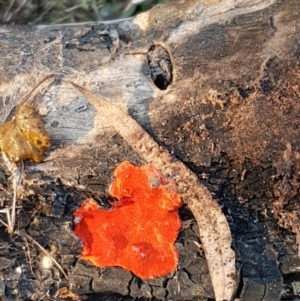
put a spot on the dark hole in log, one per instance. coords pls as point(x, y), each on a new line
point(160, 66)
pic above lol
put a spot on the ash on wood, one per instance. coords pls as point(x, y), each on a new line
point(230, 112)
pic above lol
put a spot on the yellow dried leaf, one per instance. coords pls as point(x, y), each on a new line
point(25, 136)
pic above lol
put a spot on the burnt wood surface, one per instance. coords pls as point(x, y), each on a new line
point(215, 82)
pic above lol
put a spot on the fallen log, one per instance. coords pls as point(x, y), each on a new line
point(216, 83)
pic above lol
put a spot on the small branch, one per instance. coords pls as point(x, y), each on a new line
point(4, 223)
point(16, 177)
point(45, 252)
point(23, 234)
point(28, 255)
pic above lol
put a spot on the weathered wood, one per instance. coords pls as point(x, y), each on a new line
point(231, 113)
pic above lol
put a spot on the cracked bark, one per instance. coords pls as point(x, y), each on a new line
point(229, 113)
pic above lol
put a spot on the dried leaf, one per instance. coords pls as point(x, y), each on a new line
point(213, 227)
point(25, 136)
point(65, 293)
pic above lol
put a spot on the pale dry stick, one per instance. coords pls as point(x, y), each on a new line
point(213, 227)
point(25, 99)
point(7, 212)
point(27, 96)
point(16, 176)
point(28, 255)
point(23, 234)
point(46, 253)
point(17, 180)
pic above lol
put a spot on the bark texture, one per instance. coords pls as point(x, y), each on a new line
point(214, 82)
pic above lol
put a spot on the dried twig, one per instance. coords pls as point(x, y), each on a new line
point(4, 223)
point(16, 178)
point(214, 230)
point(46, 253)
point(28, 255)
point(39, 84)
point(22, 234)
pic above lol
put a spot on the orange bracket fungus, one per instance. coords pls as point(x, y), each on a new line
point(213, 227)
point(139, 233)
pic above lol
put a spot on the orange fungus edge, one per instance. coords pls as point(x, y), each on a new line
point(139, 233)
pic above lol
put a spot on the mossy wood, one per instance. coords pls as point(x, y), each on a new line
point(217, 83)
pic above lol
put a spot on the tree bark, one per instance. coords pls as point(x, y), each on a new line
point(217, 84)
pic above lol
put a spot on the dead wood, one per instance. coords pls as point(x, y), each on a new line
point(213, 227)
point(214, 82)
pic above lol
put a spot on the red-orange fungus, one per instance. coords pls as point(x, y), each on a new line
point(139, 233)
